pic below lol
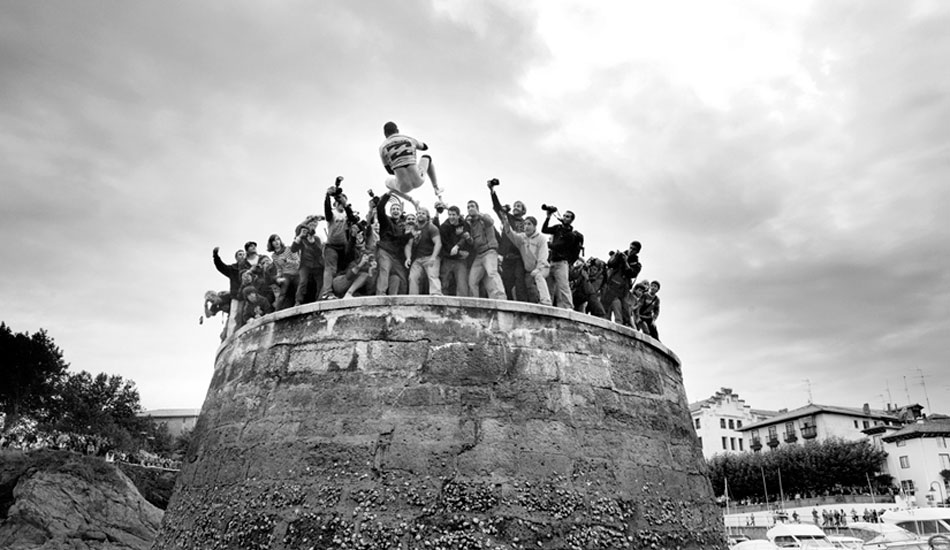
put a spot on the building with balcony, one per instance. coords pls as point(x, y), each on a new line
point(916, 454)
point(820, 422)
point(718, 419)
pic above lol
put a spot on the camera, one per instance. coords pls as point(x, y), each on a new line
point(339, 190)
point(492, 183)
point(506, 208)
point(440, 208)
point(549, 209)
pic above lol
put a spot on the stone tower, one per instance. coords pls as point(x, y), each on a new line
point(441, 422)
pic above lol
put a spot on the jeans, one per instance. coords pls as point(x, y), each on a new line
point(310, 277)
point(431, 267)
point(539, 279)
point(486, 266)
point(513, 277)
point(455, 269)
point(392, 274)
point(560, 285)
point(331, 261)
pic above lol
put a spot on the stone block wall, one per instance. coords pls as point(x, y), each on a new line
point(439, 422)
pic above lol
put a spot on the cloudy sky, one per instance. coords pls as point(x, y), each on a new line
point(785, 164)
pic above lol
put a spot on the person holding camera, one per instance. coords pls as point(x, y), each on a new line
point(390, 259)
point(648, 309)
point(310, 247)
point(622, 270)
point(456, 236)
point(398, 153)
point(533, 251)
point(339, 218)
point(566, 245)
point(513, 268)
point(485, 248)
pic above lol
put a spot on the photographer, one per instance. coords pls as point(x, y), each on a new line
point(287, 264)
point(533, 247)
point(310, 247)
point(339, 219)
point(513, 268)
point(622, 270)
point(485, 249)
point(566, 245)
point(456, 236)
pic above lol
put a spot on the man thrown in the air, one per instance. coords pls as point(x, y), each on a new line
point(398, 154)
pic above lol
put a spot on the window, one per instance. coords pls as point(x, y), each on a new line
point(773, 432)
point(697, 423)
point(907, 486)
point(700, 442)
point(724, 447)
point(855, 423)
point(740, 444)
point(790, 428)
point(738, 423)
point(722, 422)
point(866, 424)
point(732, 424)
point(905, 462)
point(945, 462)
point(732, 443)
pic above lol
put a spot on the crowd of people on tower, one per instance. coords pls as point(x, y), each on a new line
point(391, 251)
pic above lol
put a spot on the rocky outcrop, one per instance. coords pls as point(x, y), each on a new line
point(439, 422)
point(55, 500)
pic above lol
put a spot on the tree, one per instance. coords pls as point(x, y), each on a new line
point(101, 405)
point(30, 367)
point(813, 468)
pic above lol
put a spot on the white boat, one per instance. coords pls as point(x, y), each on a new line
point(846, 542)
point(754, 545)
point(921, 521)
point(799, 535)
point(883, 536)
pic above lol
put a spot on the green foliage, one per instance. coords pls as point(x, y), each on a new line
point(100, 405)
point(30, 367)
point(812, 468)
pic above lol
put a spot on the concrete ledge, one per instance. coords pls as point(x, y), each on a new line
point(367, 302)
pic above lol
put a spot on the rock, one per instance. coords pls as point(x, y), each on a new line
point(63, 500)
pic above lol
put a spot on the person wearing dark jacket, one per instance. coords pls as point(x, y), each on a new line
point(566, 246)
point(233, 273)
point(512, 266)
point(310, 247)
point(622, 270)
point(456, 245)
point(391, 275)
point(339, 218)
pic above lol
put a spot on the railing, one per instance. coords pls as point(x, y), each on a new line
point(790, 437)
point(809, 432)
point(756, 444)
point(773, 441)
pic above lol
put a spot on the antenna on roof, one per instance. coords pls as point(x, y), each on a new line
point(927, 397)
point(808, 382)
point(906, 391)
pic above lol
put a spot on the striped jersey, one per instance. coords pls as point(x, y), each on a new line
point(399, 150)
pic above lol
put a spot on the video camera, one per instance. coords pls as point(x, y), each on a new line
point(492, 183)
point(372, 197)
point(549, 209)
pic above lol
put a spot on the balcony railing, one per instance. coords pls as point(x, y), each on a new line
point(790, 437)
point(773, 441)
point(809, 432)
point(756, 444)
